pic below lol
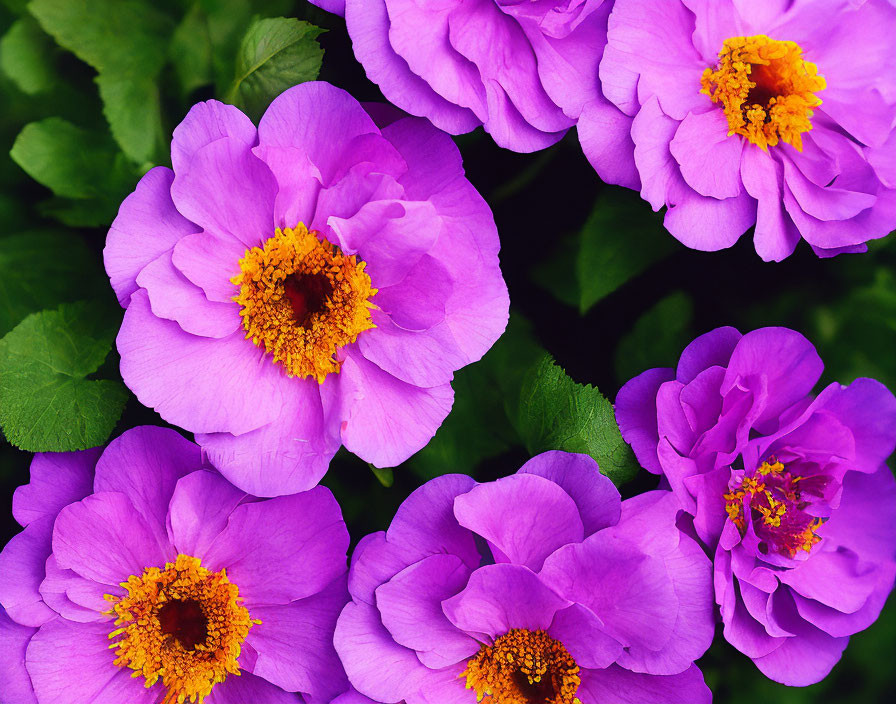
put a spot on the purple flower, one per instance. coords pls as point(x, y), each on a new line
point(541, 586)
point(731, 114)
point(143, 576)
point(788, 490)
point(313, 282)
point(505, 64)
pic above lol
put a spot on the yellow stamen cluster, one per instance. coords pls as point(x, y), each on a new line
point(524, 667)
point(148, 643)
point(766, 88)
point(296, 264)
point(771, 510)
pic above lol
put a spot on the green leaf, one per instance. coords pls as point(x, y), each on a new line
point(479, 426)
point(384, 476)
point(46, 402)
point(204, 45)
point(556, 413)
point(41, 269)
point(275, 54)
point(621, 239)
point(133, 110)
point(26, 57)
point(78, 164)
point(657, 338)
point(126, 41)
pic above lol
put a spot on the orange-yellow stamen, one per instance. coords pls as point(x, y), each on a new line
point(770, 491)
point(524, 667)
point(302, 299)
point(183, 625)
point(766, 88)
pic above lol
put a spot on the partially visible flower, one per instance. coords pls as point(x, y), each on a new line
point(504, 64)
point(313, 282)
point(778, 114)
point(143, 576)
point(538, 587)
point(788, 490)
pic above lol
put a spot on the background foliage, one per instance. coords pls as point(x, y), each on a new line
point(90, 92)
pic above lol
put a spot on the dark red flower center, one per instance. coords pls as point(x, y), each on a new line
point(186, 621)
point(307, 294)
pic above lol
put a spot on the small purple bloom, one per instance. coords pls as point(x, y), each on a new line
point(505, 64)
point(143, 576)
point(313, 282)
point(731, 114)
point(788, 490)
point(472, 583)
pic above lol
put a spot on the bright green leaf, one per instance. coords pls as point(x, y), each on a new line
point(275, 54)
point(657, 338)
point(42, 269)
point(75, 163)
point(46, 402)
point(26, 57)
point(126, 41)
point(111, 35)
point(556, 413)
point(133, 110)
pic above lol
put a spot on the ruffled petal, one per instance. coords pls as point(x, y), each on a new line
point(596, 497)
point(70, 663)
point(498, 598)
point(145, 464)
point(198, 383)
point(57, 480)
point(302, 535)
point(523, 517)
point(410, 606)
point(288, 455)
point(147, 226)
point(383, 420)
point(105, 539)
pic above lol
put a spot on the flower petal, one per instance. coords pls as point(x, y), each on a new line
point(524, 518)
point(596, 497)
point(303, 535)
point(410, 606)
point(500, 597)
point(147, 226)
point(70, 663)
point(198, 383)
point(57, 479)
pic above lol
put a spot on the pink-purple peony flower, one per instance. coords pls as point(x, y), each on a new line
point(788, 490)
point(143, 576)
point(313, 282)
point(731, 113)
point(505, 64)
point(541, 586)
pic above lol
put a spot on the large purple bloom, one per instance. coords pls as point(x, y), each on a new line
point(145, 548)
point(504, 64)
point(610, 598)
point(713, 109)
point(357, 259)
point(788, 490)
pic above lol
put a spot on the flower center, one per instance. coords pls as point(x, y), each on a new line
point(766, 89)
point(524, 667)
point(775, 502)
point(182, 624)
point(302, 299)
